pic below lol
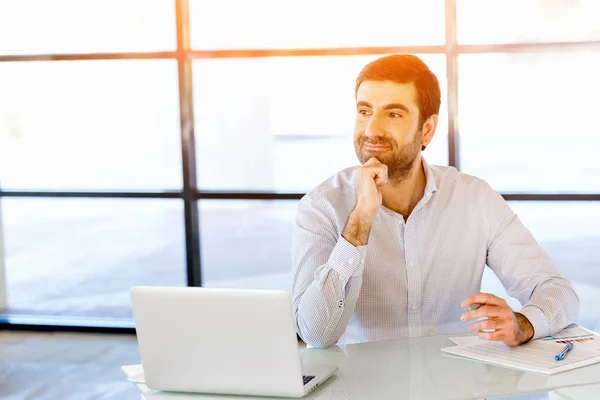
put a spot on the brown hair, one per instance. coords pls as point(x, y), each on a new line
point(406, 68)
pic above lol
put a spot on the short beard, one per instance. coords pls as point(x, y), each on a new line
point(401, 162)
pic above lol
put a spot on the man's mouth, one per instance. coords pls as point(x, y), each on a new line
point(375, 147)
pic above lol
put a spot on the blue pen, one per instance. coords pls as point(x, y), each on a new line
point(560, 356)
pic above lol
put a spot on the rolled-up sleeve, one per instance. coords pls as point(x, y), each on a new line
point(525, 269)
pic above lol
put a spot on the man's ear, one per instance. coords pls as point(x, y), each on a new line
point(429, 130)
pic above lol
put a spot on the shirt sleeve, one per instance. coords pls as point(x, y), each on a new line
point(525, 269)
point(327, 272)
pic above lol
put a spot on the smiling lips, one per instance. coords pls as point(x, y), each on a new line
point(375, 147)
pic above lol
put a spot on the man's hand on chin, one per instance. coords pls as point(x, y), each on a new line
point(510, 327)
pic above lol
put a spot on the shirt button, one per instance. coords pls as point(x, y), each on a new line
point(411, 264)
point(414, 307)
point(351, 261)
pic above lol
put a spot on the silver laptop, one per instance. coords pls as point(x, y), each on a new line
point(226, 341)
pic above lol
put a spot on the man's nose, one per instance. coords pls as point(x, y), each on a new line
point(374, 127)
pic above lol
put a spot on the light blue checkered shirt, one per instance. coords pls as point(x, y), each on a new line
point(410, 279)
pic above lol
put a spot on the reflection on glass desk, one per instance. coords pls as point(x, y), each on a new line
point(416, 369)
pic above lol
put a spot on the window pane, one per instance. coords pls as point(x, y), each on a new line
point(247, 244)
point(527, 121)
point(75, 26)
point(239, 24)
point(90, 125)
point(519, 21)
point(79, 257)
point(570, 233)
point(283, 123)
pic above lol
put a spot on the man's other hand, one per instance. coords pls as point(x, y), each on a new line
point(510, 327)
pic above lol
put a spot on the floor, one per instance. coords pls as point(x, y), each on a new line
point(53, 366)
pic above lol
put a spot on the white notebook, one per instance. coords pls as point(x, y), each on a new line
point(536, 356)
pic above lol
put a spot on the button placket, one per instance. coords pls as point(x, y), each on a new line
point(414, 288)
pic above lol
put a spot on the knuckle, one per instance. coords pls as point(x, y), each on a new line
point(482, 311)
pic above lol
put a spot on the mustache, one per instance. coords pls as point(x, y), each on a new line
point(382, 142)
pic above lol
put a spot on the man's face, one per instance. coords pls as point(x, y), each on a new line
point(387, 126)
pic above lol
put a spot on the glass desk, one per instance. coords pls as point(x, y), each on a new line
point(416, 369)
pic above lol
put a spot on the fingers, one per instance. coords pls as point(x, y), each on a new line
point(380, 181)
point(494, 336)
point(492, 323)
point(376, 171)
point(484, 311)
point(499, 323)
point(484, 298)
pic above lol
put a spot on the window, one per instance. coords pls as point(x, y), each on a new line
point(90, 125)
point(241, 24)
point(73, 26)
point(95, 195)
point(78, 257)
point(526, 121)
point(247, 243)
point(519, 21)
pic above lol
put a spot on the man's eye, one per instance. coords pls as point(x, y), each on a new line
point(363, 112)
point(394, 115)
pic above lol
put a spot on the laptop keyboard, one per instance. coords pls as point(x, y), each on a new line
point(307, 378)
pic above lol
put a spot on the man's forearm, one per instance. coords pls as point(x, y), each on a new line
point(358, 227)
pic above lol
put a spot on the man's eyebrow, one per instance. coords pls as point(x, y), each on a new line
point(390, 106)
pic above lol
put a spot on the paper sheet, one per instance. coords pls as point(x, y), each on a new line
point(537, 356)
point(135, 373)
point(466, 340)
point(571, 333)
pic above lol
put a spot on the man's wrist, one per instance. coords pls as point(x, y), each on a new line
point(526, 330)
point(358, 227)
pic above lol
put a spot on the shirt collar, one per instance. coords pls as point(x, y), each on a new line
point(430, 186)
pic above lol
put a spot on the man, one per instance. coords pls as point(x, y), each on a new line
point(397, 248)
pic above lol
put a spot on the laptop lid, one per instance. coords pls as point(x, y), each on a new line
point(229, 341)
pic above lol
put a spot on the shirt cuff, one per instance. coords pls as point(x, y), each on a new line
point(538, 320)
point(346, 259)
